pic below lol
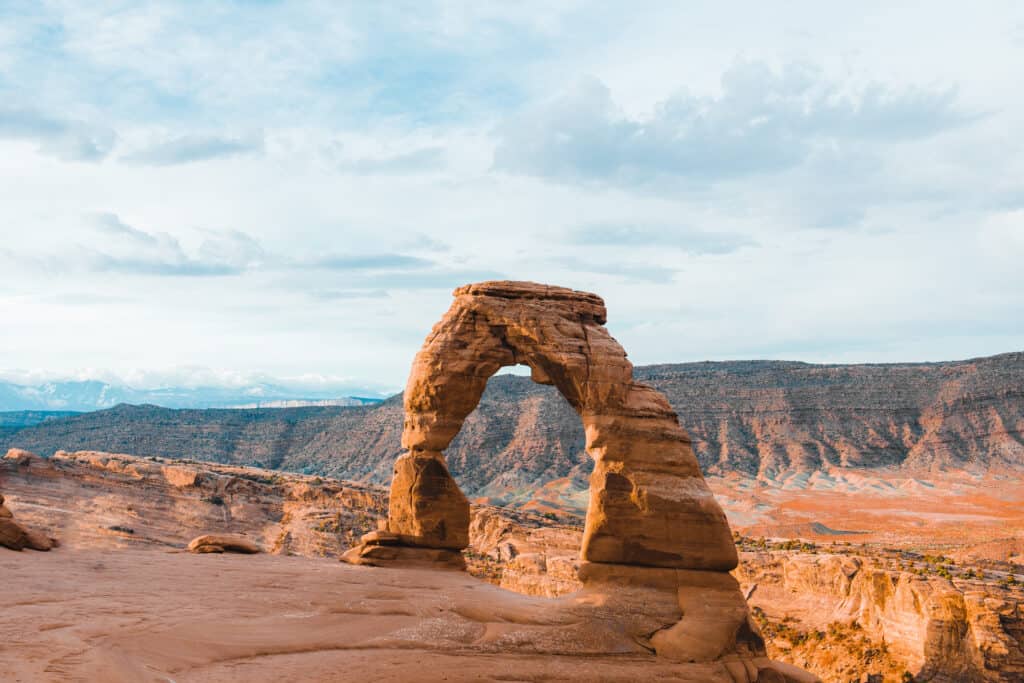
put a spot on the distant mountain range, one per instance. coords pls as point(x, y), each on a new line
point(767, 419)
point(86, 395)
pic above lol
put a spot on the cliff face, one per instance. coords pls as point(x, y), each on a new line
point(941, 629)
point(766, 417)
point(841, 614)
point(760, 418)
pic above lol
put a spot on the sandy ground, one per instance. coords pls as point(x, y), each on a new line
point(152, 615)
point(951, 512)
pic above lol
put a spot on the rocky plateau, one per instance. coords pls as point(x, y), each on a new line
point(523, 445)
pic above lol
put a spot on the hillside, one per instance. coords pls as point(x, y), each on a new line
point(81, 395)
point(767, 419)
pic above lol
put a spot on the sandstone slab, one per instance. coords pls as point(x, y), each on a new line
point(223, 543)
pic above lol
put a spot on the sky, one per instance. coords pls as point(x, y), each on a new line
point(208, 192)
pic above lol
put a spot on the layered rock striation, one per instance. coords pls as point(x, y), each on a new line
point(654, 534)
point(116, 501)
point(524, 444)
point(937, 628)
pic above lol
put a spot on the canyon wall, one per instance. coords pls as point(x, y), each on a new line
point(766, 419)
point(824, 611)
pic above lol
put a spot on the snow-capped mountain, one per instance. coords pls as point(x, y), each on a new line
point(85, 395)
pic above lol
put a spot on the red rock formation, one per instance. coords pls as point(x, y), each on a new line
point(649, 504)
point(524, 445)
point(936, 628)
point(654, 533)
point(17, 537)
point(223, 543)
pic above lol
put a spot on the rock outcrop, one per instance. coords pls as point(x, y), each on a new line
point(106, 500)
point(649, 504)
point(654, 534)
point(16, 537)
point(836, 610)
point(223, 543)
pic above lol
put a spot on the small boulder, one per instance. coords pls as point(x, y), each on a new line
point(38, 541)
point(12, 534)
point(17, 537)
point(223, 543)
point(22, 458)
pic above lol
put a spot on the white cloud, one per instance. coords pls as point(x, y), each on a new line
point(863, 206)
point(763, 122)
point(192, 148)
point(65, 139)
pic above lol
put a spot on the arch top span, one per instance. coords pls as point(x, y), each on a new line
point(649, 504)
point(559, 333)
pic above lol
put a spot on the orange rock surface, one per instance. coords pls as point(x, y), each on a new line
point(649, 504)
point(654, 535)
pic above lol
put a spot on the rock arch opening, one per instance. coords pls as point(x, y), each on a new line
point(522, 447)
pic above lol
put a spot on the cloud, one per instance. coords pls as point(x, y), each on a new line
point(342, 294)
point(439, 278)
point(112, 223)
point(763, 121)
point(137, 252)
point(192, 148)
point(64, 139)
point(628, 272)
point(634, 236)
point(425, 242)
point(425, 159)
point(369, 262)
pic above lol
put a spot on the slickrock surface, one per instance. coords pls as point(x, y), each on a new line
point(92, 500)
point(136, 616)
point(82, 495)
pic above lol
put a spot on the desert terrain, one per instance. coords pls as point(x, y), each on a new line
point(856, 523)
point(121, 599)
point(110, 599)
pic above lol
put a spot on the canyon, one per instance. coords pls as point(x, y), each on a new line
point(524, 446)
point(875, 517)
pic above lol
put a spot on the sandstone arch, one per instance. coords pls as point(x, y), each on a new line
point(649, 505)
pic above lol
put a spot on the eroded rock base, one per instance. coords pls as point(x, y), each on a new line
point(704, 613)
point(384, 549)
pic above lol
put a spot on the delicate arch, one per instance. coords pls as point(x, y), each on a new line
point(649, 504)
